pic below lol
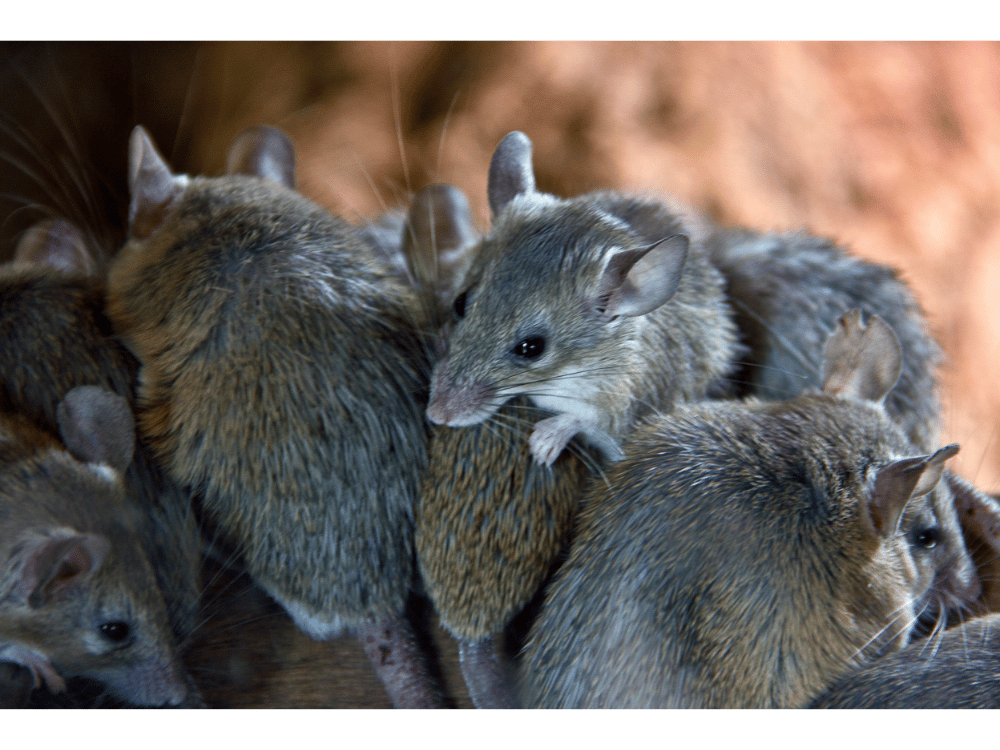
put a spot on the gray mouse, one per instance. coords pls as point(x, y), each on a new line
point(56, 338)
point(78, 597)
point(601, 308)
point(490, 520)
point(787, 289)
point(748, 554)
point(283, 379)
point(960, 669)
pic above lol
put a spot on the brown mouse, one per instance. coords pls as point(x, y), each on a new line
point(57, 338)
point(748, 554)
point(957, 670)
point(602, 308)
point(490, 520)
point(282, 377)
point(78, 597)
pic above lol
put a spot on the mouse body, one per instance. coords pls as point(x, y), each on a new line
point(601, 308)
point(57, 338)
point(283, 380)
point(78, 596)
point(747, 554)
point(787, 290)
point(490, 520)
point(959, 669)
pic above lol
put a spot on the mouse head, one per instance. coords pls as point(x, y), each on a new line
point(80, 598)
point(184, 232)
point(553, 290)
point(261, 152)
point(909, 533)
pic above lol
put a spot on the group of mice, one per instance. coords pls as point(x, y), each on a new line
point(714, 450)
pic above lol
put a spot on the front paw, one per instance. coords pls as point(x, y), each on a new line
point(551, 435)
point(40, 667)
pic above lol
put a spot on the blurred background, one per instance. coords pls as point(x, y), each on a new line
point(892, 149)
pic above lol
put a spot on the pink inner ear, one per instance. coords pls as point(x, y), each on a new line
point(57, 564)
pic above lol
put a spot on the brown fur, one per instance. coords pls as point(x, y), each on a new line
point(491, 521)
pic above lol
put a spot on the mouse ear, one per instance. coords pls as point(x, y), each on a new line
point(55, 562)
point(861, 360)
point(56, 244)
point(635, 282)
point(897, 482)
point(152, 186)
point(97, 426)
point(438, 237)
point(511, 173)
point(265, 152)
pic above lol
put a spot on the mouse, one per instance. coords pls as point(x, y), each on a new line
point(958, 670)
point(490, 521)
point(57, 337)
point(600, 308)
point(78, 597)
point(282, 377)
point(787, 290)
point(737, 536)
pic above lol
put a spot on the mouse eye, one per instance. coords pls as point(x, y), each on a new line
point(458, 307)
point(926, 538)
point(116, 632)
point(529, 348)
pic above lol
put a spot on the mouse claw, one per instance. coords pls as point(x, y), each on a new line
point(41, 668)
point(551, 435)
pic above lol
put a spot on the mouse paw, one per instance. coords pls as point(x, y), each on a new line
point(551, 435)
point(41, 668)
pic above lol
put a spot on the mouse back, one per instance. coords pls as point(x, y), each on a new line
point(787, 288)
point(955, 669)
point(734, 538)
point(80, 597)
point(259, 318)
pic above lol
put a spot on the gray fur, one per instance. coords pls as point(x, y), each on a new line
point(56, 339)
point(787, 289)
point(731, 562)
point(283, 379)
point(957, 669)
point(70, 562)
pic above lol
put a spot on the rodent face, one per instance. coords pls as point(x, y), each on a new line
point(945, 575)
point(525, 323)
point(81, 591)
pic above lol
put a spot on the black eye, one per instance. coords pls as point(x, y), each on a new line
point(926, 538)
point(459, 305)
point(116, 632)
point(529, 348)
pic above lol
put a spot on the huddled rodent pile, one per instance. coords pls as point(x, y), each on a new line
point(629, 458)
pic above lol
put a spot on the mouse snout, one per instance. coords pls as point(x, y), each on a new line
point(157, 681)
point(458, 404)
